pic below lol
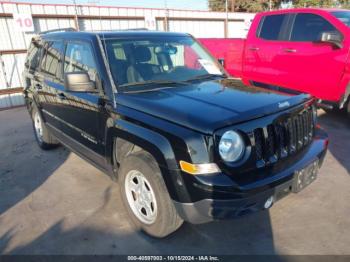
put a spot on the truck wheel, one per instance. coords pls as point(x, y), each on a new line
point(145, 196)
point(347, 107)
point(44, 139)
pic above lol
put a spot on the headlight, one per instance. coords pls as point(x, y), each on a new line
point(231, 146)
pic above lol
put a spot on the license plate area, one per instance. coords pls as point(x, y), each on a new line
point(305, 176)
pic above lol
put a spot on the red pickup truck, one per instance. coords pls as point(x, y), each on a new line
point(302, 49)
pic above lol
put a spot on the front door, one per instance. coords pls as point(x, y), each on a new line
point(80, 112)
point(311, 66)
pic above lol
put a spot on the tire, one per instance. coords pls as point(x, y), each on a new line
point(161, 219)
point(347, 108)
point(335, 111)
point(42, 136)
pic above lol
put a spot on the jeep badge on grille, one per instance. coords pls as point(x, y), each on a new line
point(283, 104)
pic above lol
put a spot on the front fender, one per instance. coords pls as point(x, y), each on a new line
point(152, 142)
point(156, 145)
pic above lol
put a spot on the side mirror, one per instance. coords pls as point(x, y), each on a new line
point(221, 61)
point(334, 38)
point(79, 82)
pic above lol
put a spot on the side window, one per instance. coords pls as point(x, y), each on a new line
point(33, 57)
point(309, 27)
point(51, 61)
point(80, 58)
point(270, 27)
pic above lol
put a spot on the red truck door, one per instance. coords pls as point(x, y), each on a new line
point(263, 47)
point(307, 65)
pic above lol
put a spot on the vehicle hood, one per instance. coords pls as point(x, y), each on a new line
point(210, 105)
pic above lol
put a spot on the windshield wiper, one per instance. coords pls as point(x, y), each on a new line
point(155, 82)
point(146, 85)
point(206, 76)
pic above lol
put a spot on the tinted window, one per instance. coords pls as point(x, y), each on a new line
point(309, 27)
point(33, 57)
point(50, 64)
point(343, 16)
point(79, 58)
point(271, 27)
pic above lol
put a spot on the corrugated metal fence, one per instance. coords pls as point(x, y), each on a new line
point(13, 43)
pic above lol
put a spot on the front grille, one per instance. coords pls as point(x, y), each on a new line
point(283, 138)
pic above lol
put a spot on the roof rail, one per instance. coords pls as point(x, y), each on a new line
point(129, 29)
point(135, 29)
point(68, 29)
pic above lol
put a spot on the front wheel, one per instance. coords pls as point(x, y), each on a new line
point(347, 107)
point(145, 196)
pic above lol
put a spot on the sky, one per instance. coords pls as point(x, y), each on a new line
point(176, 4)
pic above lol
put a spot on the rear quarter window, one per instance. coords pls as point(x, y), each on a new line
point(33, 56)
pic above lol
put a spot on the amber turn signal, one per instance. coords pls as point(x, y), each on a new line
point(199, 169)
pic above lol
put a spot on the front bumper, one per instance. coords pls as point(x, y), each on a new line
point(207, 210)
point(251, 198)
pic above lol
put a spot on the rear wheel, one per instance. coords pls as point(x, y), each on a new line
point(145, 196)
point(44, 139)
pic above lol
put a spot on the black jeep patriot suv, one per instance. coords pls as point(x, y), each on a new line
point(159, 115)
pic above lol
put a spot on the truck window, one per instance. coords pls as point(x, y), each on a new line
point(50, 63)
point(80, 58)
point(270, 27)
point(309, 27)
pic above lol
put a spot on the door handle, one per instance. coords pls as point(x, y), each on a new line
point(61, 96)
point(254, 48)
point(290, 50)
point(38, 86)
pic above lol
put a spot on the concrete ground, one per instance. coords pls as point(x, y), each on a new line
point(53, 202)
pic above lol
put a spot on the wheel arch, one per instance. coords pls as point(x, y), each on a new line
point(346, 96)
point(126, 138)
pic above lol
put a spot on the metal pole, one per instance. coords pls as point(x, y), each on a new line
point(2, 65)
point(76, 16)
point(226, 21)
point(166, 20)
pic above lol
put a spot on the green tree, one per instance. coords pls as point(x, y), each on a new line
point(314, 3)
point(344, 3)
point(242, 5)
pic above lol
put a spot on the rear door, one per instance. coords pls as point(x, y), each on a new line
point(49, 82)
point(311, 66)
point(31, 72)
point(263, 48)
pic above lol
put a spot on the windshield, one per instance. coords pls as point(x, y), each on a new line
point(343, 16)
point(148, 60)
